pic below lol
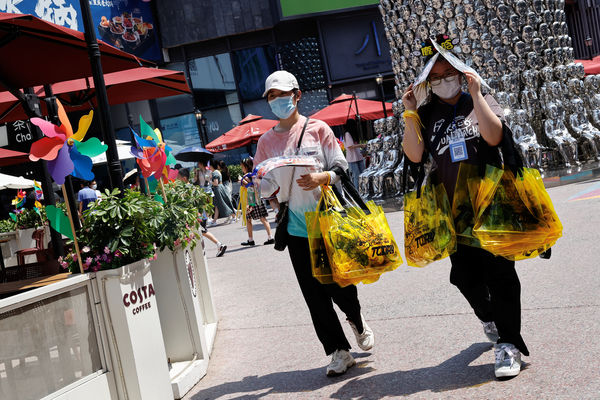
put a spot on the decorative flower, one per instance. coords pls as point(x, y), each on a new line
point(64, 150)
point(74, 257)
point(106, 250)
point(85, 249)
point(64, 264)
point(88, 261)
point(118, 253)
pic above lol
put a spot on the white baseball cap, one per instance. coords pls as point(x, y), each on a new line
point(281, 80)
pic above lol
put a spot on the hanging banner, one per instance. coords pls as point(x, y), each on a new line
point(126, 24)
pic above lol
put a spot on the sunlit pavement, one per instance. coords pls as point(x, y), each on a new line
point(428, 342)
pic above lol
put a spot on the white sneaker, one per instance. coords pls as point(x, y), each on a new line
point(490, 330)
point(366, 339)
point(229, 220)
point(212, 223)
point(508, 360)
point(341, 360)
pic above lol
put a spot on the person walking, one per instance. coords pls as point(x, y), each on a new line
point(454, 127)
point(86, 196)
point(256, 210)
point(317, 139)
point(184, 175)
point(222, 167)
point(222, 201)
point(355, 159)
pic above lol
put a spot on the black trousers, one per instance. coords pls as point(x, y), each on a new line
point(491, 286)
point(319, 298)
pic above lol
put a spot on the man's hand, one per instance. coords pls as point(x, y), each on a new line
point(313, 180)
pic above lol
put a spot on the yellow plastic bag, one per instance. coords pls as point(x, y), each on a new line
point(514, 216)
point(429, 233)
point(360, 246)
point(318, 253)
point(462, 205)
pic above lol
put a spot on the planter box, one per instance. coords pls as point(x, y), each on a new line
point(135, 341)
point(205, 297)
point(181, 291)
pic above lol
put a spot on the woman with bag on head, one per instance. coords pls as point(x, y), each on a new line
point(298, 134)
point(455, 127)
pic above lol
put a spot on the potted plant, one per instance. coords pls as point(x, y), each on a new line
point(117, 240)
point(27, 222)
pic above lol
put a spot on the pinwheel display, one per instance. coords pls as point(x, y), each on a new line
point(153, 155)
point(37, 189)
point(65, 151)
point(19, 200)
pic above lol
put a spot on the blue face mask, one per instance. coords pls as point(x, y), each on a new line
point(282, 107)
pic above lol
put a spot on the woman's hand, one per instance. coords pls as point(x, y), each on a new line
point(473, 83)
point(409, 100)
point(313, 180)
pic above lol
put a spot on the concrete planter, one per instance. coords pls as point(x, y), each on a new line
point(135, 341)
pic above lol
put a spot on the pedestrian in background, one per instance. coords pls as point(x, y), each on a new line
point(184, 175)
point(86, 196)
point(222, 200)
point(317, 139)
point(355, 159)
point(225, 176)
point(256, 209)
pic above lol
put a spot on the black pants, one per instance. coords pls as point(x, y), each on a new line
point(319, 298)
point(491, 286)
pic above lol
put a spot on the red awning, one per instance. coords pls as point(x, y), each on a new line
point(122, 87)
point(11, 157)
point(592, 67)
point(344, 107)
point(249, 130)
point(36, 52)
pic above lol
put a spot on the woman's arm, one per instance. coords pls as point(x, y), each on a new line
point(412, 144)
point(490, 125)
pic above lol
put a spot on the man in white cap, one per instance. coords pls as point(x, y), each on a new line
point(298, 134)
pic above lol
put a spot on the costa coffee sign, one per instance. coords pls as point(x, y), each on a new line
point(139, 299)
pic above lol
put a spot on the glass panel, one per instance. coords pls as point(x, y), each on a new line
point(47, 345)
point(252, 66)
point(259, 107)
point(213, 82)
point(312, 101)
point(179, 132)
point(220, 120)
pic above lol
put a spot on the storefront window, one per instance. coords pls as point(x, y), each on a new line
point(221, 120)
point(252, 66)
point(179, 132)
point(213, 81)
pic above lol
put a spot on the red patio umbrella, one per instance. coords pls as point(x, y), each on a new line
point(35, 52)
point(344, 107)
point(11, 157)
point(122, 87)
point(249, 130)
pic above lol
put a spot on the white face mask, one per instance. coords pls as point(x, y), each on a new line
point(94, 187)
point(447, 90)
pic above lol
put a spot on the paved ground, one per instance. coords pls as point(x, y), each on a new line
point(429, 345)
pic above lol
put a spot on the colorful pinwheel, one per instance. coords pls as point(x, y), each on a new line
point(38, 196)
point(64, 150)
point(19, 201)
point(153, 155)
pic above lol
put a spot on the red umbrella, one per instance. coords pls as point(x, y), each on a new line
point(122, 87)
point(10, 157)
point(249, 130)
point(36, 52)
point(344, 107)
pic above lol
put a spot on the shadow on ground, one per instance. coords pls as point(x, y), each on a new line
point(452, 374)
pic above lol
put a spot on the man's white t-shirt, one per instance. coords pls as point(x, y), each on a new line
point(352, 155)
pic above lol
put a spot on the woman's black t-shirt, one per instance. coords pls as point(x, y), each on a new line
point(451, 135)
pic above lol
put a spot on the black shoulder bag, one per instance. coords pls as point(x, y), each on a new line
point(282, 236)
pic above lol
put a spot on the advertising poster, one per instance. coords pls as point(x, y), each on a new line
point(126, 24)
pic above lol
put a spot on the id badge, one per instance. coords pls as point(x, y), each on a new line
point(458, 150)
